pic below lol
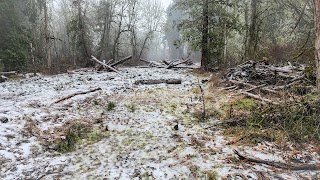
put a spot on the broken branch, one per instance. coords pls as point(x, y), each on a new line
point(104, 64)
point(75, 94)
point(310, 167)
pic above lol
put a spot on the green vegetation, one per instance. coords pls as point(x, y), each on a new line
point(74, 133)
point(111, 106)
point(294, 121)
point(211, 175)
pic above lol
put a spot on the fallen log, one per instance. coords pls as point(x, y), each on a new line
point(258, 98)
point(151, 63)
point(172, 65)
point(121, 61)
point(293, 167)
point(11, 73)
point(73, 95)
point(104, 64)
point(158, 81)
point(165, 62)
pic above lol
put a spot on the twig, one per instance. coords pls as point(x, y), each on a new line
point(310, 167)
point(203, 101)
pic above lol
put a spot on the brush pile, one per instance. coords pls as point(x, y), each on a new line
point(254, 78)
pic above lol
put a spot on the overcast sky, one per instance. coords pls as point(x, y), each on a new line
point(166, 2)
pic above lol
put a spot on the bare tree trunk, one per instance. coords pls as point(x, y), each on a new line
point(317, 42)
point(83, 40)
point(47, 35)
point(245, 39)
point(225, 49)
point(205, 34)
point(252, 30)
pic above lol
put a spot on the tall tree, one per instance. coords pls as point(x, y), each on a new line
point(317, 42)
point(205, 35)
point(252, 43)
point(14, 36)
point(47, 34)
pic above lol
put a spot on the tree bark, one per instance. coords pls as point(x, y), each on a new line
point(252, 30)
point(317, 42)
point(47, 35)
point(205, 34)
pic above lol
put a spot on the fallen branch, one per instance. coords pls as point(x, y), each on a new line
point(237, 139)
point(121, 61)
point(253, 86)
point(151, 63)
point(257, 87)
point(172, 65)
point(158, 81)
point(104, 64)
point(258, 98)
point(310, 167)
point(75, 94)
point(165, 62)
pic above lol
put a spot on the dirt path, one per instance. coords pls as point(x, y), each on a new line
point(133, 134)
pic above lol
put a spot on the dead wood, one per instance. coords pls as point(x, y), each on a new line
point(165, 62)
point(253, 86)
point(184, 67)
point(258, 98)
point(75, 94)
point(11, 73)
point(257, 87)
point(158, 81)
point(293, 167)
point(152, 63)
point(104, 64)
point(121, 61)
point(237, 139)
point(173, 64)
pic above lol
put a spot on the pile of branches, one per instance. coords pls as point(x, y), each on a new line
point(286, 97)
point(257, 78)
point(177, 63)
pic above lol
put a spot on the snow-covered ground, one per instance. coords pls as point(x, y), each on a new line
point(140, 142)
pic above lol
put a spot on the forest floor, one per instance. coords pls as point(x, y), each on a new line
point(126, 131)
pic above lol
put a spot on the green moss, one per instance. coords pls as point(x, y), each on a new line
point(244, 104)
point(110, 106)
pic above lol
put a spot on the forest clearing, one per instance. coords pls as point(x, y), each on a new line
point(127, 131)
point(160, 89)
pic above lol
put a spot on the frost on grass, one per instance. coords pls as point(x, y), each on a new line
point(124, 131)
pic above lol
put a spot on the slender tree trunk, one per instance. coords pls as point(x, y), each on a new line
point(245, 39)
point(205, 34)
point(252, 30)
point(225, 49)
point(317, 42)
point(47, 35)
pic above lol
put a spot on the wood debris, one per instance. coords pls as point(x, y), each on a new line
point(292, 167)
point(158, 81)
point(255, 79)
point(75, 94)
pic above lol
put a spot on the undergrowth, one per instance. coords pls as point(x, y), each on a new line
point(294, 121)
point(72, 133)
